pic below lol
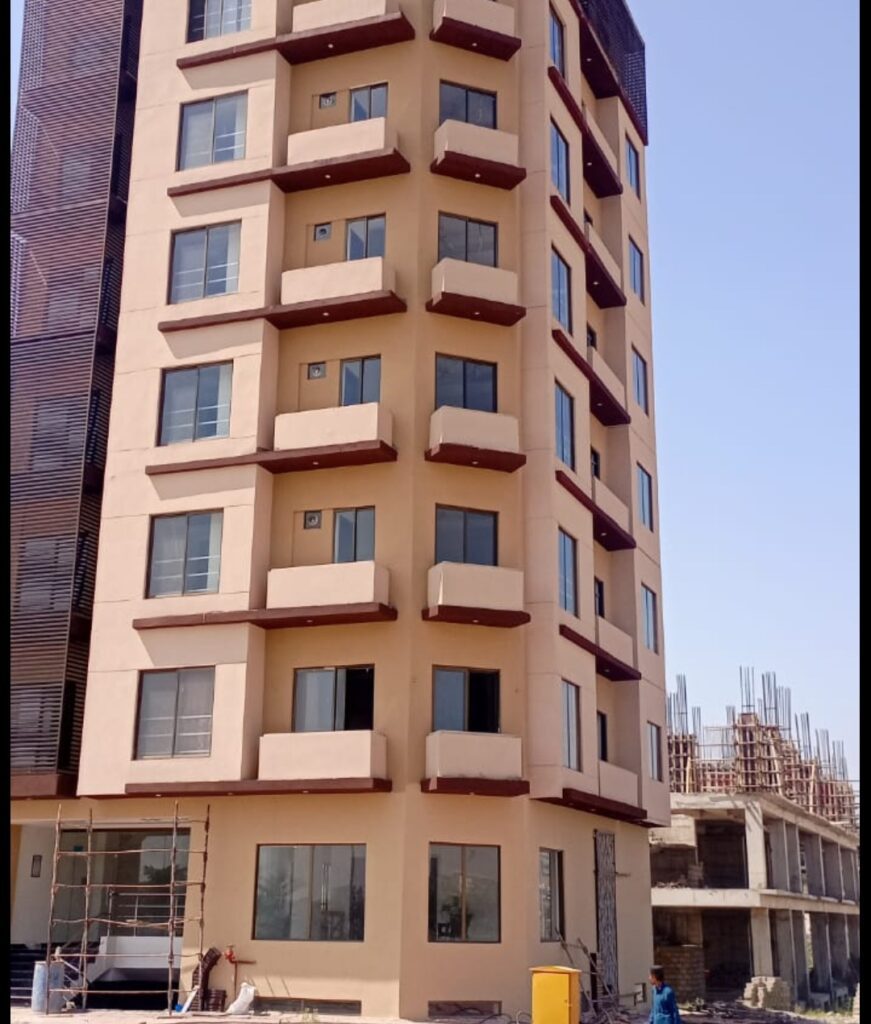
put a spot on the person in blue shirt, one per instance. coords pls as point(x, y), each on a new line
point(663, 1007)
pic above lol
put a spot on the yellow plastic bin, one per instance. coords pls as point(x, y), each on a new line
point(556, 995)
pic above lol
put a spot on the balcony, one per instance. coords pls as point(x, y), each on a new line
point(472, 153)
point(610, 519)
point(607, 665)
point(341, 153)
point(325, 761)
point(335, 292)
point(475, 292)
point(332, 594)
point(618, 784)
point(614, 642)
point(350, 435)
point(604, 278)
point(468, 437)
point(481, 764)
point(481, 26)
point(477, 595)
point(329, 28)
point(608, 406)
point(600, 163)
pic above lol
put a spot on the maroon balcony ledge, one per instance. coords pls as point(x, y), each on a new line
point(577, 800)
point(481, 458)
point(601, 286)
point(476, 169)
point(276, 618)
point(599, 173)
point(604, 405)
point(256, 787)
point(471, 307)
point(41, 785)
point(315, 44)
point(606, 531)
point(299, 314)
point(606, 664)
point(467, 616)
point(320, 173)
point(475, 787)
point(476, 38)
point(357, 453)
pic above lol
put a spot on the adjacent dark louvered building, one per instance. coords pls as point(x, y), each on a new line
point(70, 170)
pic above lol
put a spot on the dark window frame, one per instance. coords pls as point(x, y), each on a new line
point(635, 249)
point(556, 31)
point(599, 597)
point(557, 898)
point(573, 547)
point(363, 361)
point(335, 669)
point(213, 100)
point(207, 230)
point(365, 219)
point(561, 143)
point(467, 681)
point(602, 730)
point(595, 463)
point(650, 628)
point(167, 372)
point(356, 509)
point(639, 374)
point(466, 510)
point(470, 89)
point(368, 89)
point(465, 362)
point(633, 167)
point(654, 758)
point(565, 433)
point(136, 725)
point(467, 221)
point(556, 262)
point(175, 515)
point(645, 496)
point(463, 890)
point(191, 38)
point(575, 721)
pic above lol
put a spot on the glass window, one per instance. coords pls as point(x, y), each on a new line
point(196, 403)
point(561, 290)
point(654, 742)
point(648, 608)
point(460, 103)
point(354, 535)
point(465, 384)
point(599, 597)
point(639, 380)
point(571, 726)
point(310, 893)
point(43, 573)
point(592, 337)
point(636, 270)
point(464, 535)
point(633, 168)
point(58, 433)
point(568, 589)
point(333, 699)
point(208, 18)
point(213, 131)
point(557, 43)
point(368, 102)
point(366, 237)
point(175, 713)
point(550, 895)
point(465, 700)
point(463, 893)
point(602, 724)
point(205, 262)
point(559, 161)
point(595, 464)
point(645, 497)
point(565, 427)
point(185, 554)
point(361, 380)
point(472, 241)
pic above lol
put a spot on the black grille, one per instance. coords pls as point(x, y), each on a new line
point(624, 47)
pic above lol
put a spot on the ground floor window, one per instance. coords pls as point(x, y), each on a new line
point(463, 893)
point(310, 893)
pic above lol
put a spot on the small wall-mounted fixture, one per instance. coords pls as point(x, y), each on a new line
point(317, 371)
point(36, 865)
point(322, 232)
point(326, 99)
point(311, 521)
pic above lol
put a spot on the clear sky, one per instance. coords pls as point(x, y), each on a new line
point(754, 195)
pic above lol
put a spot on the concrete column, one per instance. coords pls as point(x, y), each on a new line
point(760, 936)
point(853, 935)
point(754, 839)
point(847, 875)
point(838, 946)
point(799, 951)
point(832, 870)
point(813, 859)
point(782, 923)
point(793, 861)
point(821, 953)
point(779, 862)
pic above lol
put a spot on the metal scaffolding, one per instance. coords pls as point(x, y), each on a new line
point(756, 751)
point(146, 908)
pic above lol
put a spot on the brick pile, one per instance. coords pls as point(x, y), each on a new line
point(768, 993)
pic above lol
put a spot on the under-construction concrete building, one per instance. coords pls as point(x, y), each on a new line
point(756, 881)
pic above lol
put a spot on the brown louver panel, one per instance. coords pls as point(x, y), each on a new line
point(70, 175)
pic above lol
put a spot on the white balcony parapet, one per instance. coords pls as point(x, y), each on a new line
point(604, 254)
point(339, 141)
point(321, 14)
point(614, 641)
point(486, 595)
point(352, 754)
point(343, 425)
point(337, 280)
point(475, 292)
point(474, 153)
point(610, 504)
point(343, 583)
point(470, 437)
point(606, 375)
point(481, 26)
point(473, 755)
point(617, 783)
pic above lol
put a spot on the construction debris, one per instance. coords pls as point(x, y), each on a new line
point(769, 993)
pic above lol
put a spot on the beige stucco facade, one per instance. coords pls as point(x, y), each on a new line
point(445, 613)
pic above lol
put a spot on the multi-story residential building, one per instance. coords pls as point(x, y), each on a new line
point(379, 570)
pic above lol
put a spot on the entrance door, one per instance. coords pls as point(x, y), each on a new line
point(606, 911)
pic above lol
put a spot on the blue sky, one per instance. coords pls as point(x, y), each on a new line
point(753, 192)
